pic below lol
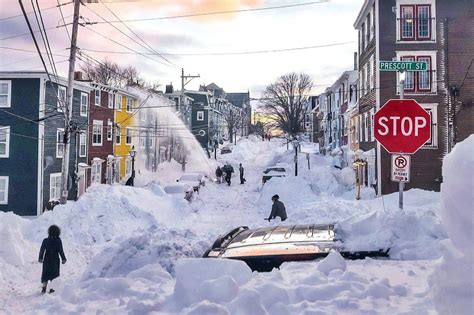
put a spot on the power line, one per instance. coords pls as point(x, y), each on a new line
point(219, 12)
point(126, 35)
point(20, 15)
point(231, 53)
point(116, 42)
point(136, 35)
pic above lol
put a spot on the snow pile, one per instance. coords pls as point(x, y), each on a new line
point(157, 245)
point(453, 279)
point(12, 243)
point(334, 261)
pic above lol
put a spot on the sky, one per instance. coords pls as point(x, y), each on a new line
point(325, 23)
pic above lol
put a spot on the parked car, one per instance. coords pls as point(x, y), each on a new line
point(192, 179)
point(199, 176)
point(274, 171)
point(180, 190)
point(266, 248)
point(226, 150)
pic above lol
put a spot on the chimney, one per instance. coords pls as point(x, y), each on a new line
point(78, 76)
point(169, 88)
point(356, 66)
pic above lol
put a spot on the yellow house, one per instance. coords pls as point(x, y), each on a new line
point(125, 121)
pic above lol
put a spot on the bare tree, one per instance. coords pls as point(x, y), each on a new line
point(285, 101)
point(110, 73)
point(233, 118)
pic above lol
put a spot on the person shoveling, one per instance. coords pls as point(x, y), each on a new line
point(278, 209)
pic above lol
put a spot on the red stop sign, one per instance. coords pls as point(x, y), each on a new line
point(402, 126)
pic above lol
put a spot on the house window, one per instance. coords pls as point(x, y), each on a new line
point(59, 143)
point(110, 102)
point(5, 93)
point(200, 115)
point(96, 172)
point(61, 104)
point(84, 104)
point(54, 186)
point(3, 190)
point(368, 76)
point(432, 109)
point(97, 128)
point(4, 142)
point(129, 105)
point(118, 102)
point(421, 81)
point(97, 97)
point(363, 35)
point(369, 31)
point(128, 136)
point(372, 72)
point(415, 22)
point(109, 130)
point(82, 145)
point(118, 136)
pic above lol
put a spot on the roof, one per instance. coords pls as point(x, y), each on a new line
point(363, 13)
point(42, 75)
point(238, 99)
point(198, 97)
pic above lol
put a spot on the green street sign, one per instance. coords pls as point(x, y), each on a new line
point(403, 66)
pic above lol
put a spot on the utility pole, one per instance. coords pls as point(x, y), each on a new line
point(68, 107)
point(185, 79)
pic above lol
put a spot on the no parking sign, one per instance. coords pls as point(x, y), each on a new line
point(401, 168)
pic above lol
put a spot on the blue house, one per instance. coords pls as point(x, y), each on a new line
point(200, 116)
point(31, 133)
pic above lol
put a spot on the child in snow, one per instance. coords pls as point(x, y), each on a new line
point(51, 249)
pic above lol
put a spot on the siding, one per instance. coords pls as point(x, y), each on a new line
point(22, 164)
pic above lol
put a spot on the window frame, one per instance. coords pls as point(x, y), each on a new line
point(59, 142)
point(82, 143)
point(57, 178)
point(432, 68)
point(59, 108)
point(97, 125)
point(109, 131)
point(416, 9)
point(402, 18)
point(198, 113)
point(432, 109)
point(9, 93)
point(129, 105)
point(110, 100)
point(418, 37)
point(118, 102)
point(97, 103)
point(7, 129)
point(127, 136)
point(118, 136)
point(5, 190)
point(82, 106)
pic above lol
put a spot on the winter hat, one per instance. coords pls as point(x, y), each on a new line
point(276, 197)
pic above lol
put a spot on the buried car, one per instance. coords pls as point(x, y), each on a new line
point(274, 171)
point(266, 248)
point(226, 150)
point(181, 190)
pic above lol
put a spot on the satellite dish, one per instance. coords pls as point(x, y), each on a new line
point(202, 133)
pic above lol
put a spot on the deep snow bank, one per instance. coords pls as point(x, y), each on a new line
point(453, 279)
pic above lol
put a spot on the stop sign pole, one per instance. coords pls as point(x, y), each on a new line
point(401, 185)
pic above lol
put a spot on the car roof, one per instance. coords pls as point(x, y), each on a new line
point(284, 234)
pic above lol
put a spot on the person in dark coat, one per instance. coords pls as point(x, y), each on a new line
point(241, 171)
point(51, 249)
point(219, 174)
point(228, 170)
point(278, 209)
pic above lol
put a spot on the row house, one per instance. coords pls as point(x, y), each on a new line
point(31, 140)
point(430, 31)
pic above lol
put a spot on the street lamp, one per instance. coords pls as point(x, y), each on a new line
point(133, 153)
point(296, 144)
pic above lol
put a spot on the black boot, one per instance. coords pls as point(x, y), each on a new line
point(43, 289)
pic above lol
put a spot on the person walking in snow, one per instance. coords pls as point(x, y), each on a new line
point(241, 172)
point(51, 249)
point(228, 170)
point(219, 174)
point(278, 209)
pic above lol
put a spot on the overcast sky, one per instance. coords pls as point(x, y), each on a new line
point(330, 22)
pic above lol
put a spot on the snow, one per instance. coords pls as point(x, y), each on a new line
point(453, 279)
point(137, 250)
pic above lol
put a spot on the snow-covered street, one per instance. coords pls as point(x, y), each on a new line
point(134, 250)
